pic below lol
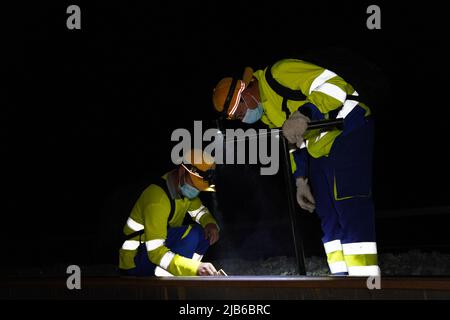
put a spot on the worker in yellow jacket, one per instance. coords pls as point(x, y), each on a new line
point(156, 241)
point(333, 169)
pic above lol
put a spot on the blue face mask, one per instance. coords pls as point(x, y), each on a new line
point(189, 191)
point(253, 115)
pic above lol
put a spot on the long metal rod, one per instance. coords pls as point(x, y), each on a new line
point(313, 125)
point(293, 216)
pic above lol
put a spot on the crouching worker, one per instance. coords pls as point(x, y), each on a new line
point(156, 241)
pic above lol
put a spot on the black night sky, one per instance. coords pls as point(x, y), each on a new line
point(87, 115)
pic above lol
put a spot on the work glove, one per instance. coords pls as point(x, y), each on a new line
point(295, 127)
point(304, 196)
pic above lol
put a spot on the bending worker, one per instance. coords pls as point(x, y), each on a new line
point(156, 241)
point(336, 164)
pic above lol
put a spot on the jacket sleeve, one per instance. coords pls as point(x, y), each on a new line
point(201, 214)
point(328, 96)
point(301, 162)
point(156, 214)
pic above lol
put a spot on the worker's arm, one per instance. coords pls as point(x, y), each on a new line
point(321, 100)
point(301, 163)
point(303, 194)
point(129, 246)
point(324, 90)
point(202, 216)
point(326, 97)
point(156, 214)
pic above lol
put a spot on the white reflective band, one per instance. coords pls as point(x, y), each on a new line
point(130, 245)
point(167, 259)
point(154, 244)
point(197, 257)
point(199, 215)
point(364, 271)
point(238, 98)
point(134, 225)
point(192, 172)
point(303, 145)
point(332, 246)
point(360, 248)
point(337, 267)
point(348, 106)
point(193, 213)
point(333, 91)
point(321, 79)
point(160, 272)
point(321, 135)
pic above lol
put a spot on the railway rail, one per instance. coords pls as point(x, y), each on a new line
point(232, 287)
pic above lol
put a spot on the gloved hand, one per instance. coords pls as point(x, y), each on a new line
point(304, 196)
point(295, 127)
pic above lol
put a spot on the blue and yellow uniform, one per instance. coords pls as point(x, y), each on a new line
point(165, 243)
point(338, 162)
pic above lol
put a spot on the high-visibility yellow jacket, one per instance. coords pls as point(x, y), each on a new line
point(151, 213)
point(324, 90)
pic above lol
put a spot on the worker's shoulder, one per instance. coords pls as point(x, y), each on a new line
point(154, 194)
point(289, 63)
point(294, 69)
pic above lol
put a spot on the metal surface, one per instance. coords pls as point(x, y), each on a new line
point(232, 287)
point(324, 125)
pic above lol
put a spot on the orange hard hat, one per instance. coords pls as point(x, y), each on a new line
point(227, 93)
point(201, 168)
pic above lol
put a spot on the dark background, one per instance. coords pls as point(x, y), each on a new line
point(86, 116)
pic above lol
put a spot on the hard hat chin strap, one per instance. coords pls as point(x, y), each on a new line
point(208, 175)
point(229, 97)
